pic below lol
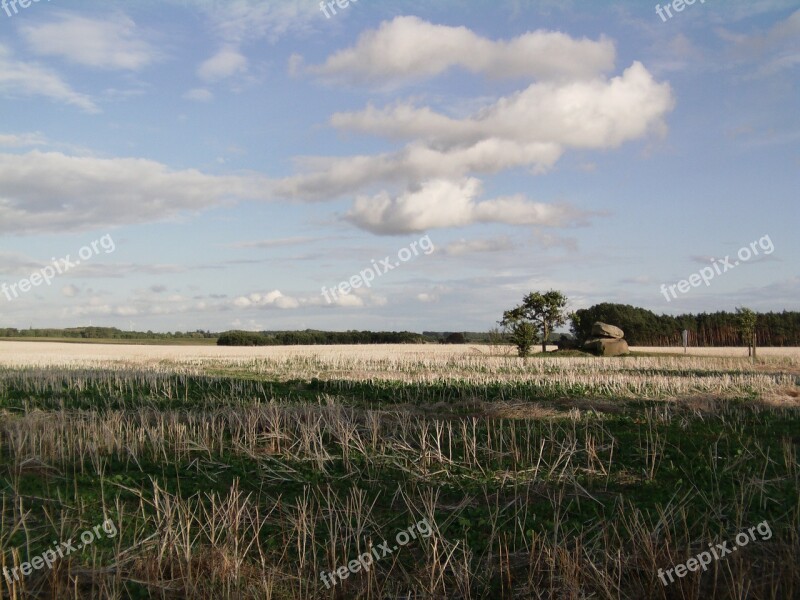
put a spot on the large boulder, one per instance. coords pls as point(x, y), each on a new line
point(604, 330)
point(607, 347)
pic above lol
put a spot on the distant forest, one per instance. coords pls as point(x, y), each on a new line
point(642, 328)
point(103, 333)
point(317, 338)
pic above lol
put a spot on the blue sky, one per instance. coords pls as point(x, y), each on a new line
point(242, 155)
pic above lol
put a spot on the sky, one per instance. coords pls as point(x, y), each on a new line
point(406, 165)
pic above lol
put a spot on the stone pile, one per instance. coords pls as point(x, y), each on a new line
point(607, 340)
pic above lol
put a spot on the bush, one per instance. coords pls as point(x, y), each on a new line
point(455, 338)
point(243, 338)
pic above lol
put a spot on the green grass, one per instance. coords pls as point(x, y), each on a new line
point(565, 479)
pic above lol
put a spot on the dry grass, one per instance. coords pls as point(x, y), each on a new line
point(224, 486)
point(53, 353)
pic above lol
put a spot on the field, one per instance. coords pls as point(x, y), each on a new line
point(249, 473)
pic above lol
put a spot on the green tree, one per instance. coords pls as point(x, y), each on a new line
point(538, 313)
point(641, 327)
point(747, 320)
point(522, 334)
point(455, 338)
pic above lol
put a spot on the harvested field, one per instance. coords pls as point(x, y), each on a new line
point(249, 473)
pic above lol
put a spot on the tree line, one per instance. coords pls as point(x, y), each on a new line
point(317, 338)
point(540, 314)
point(105, 333)
point(644, 328)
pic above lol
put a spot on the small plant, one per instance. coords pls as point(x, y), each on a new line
point(523, 336)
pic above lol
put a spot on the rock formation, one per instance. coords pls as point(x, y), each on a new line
point(607, 340)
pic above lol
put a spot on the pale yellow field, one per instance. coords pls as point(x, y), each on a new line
point(53, 353)
point(723, 372)
point(730, 352)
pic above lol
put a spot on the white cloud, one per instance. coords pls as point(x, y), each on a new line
point(12, 263)
point(531, 129)
point(225, 63)
point(443, 203)
point(348, 301)
point(548, 241)
point(199, 95)
point(275, 299)
point(70, 291)
point(19, 78)
point(481, 246)
point(774, 50)
point(417, 162)
point(109, 43)
point(139, 305)
point(410, 48)
point(237, 21)
point(276, 243)
point(45, 192)
point(269, 299)
point(249, 325)
point(22, 140)
point(638, 280)
point(581, 114)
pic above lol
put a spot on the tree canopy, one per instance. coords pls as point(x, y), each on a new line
point(644, 328)
point(538, 314)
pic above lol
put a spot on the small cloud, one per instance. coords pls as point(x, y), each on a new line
point(70, 291)
point(638, 280)
point(774, 51)
point(462, 246)
point(199, 95)
point(31, 79)
point(224, 64)
point(549, 240)
point(295, 65)
point(111, 43)
point(348, 301)
point(22, 140)
point(249, 325)
point(276, 243)
point(270, 299)
point(703, 260)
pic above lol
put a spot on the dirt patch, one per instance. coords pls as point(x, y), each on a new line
point(787, 397)
point(520, 410)
point(600, 405)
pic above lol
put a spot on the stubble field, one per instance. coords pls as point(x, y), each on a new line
point(249, 473)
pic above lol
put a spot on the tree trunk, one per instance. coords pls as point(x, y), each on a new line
point(544, 340)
